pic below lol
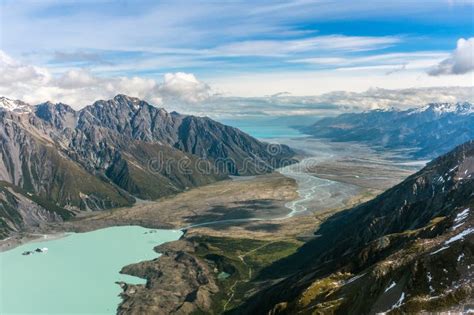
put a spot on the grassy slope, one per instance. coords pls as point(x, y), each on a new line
point(151, 171)
point(242, 259)
point(70, 183)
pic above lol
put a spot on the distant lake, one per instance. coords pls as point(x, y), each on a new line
point(78, 272)
point(264, 128)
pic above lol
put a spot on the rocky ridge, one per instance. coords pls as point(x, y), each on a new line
point(409, 250)
point(426, 131)
point(178, 282)
point(112, 152)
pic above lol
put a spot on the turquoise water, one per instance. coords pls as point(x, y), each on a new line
point(264, 128)
point(77, 274)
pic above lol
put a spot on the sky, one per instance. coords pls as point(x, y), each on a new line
point(239, 57)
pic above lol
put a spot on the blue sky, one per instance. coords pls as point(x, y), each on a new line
point(242, 48)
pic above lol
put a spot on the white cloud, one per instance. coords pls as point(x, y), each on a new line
point(77, 57)
point(461, 60)
point(111, 25)
point(332, 43)
point(14, 73)
point(414, 60)
point(186, 93)
point(327, 104)
point(319, 81)
point(76, 78)
point(184, 86)
point(377, 98)
point(79, 87)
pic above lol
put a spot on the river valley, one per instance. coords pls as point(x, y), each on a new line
point(88, 264)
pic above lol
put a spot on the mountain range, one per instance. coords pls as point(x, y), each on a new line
point(426, 132)
point(56, 161)
point(409, 250)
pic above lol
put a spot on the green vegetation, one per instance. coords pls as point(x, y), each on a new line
point(242, 259)
point(8, 207)
point(322, 287)
point(442, 302)
point(7, 212)
point(73, 185)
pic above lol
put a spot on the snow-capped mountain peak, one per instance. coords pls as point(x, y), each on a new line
point(455, 108)
point(446, 108)
point(14, 105)
point(465, 108)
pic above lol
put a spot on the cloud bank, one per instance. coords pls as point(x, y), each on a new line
point(461, 60)
point(80, 87)
point(333, 103)
point(185, 93)
point(377, 98)
point(185, 87)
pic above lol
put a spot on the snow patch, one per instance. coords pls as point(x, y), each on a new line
point(451, 170)
point(461, 216)
point(399, 302)
point(392, 285)
point(447, 108)
point(459, 236)
point(14, 105)
point(439, 250)
point(354, 278)
point(457, 225)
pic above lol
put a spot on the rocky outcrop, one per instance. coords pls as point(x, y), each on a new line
point(231, 150)
point(177, 283)
point(19, 210)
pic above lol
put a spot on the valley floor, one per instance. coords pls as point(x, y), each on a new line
point(235, 228)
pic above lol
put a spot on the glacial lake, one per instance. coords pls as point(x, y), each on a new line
point(264, 129)
point(77, 274)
